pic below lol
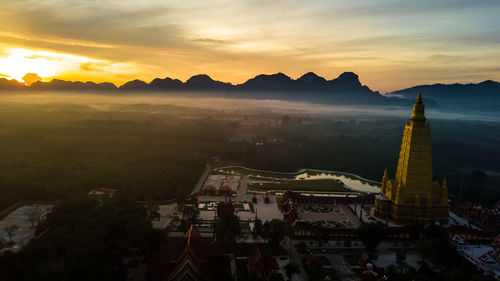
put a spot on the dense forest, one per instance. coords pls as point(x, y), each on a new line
point(54, 150)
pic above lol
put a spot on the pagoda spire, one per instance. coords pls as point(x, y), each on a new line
point(418, 114)
point(385, 174)
point(419, 97)
point(383, 188)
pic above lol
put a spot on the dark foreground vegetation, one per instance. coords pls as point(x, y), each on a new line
point(82, 240)
point(54, 151)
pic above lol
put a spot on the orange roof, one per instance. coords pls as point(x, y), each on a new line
point(225, 188)
point(192, 233)
point(209, 188)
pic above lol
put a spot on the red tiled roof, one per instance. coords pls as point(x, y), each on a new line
point(226, 188)
point(184, 257)
point(209, 188)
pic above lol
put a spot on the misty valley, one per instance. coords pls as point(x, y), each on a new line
point(55, 146)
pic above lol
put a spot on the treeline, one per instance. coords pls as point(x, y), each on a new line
point(148, 160)
point(53, 152)
point(83, 240)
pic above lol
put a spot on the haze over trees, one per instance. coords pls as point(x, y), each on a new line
point(57, 150)
point(345, 89)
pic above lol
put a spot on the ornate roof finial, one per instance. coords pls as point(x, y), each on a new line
point(418, 115)
point(444, 182)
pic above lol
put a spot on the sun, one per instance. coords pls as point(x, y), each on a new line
point(17, 62)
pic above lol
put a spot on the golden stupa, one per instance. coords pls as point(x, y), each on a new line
point(412, 197)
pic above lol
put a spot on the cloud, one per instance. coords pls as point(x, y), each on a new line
point(93, 66)
point(233, 40)
point(213, 41)
point(31, 78)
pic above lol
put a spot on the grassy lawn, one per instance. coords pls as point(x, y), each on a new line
point(240, 208)
point(313, 185)
point(256, 174)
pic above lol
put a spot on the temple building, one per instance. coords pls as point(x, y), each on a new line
point(413, 197)
point(188, 258)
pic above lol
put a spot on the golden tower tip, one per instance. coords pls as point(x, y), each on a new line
point(419, 97)
point(418, 110)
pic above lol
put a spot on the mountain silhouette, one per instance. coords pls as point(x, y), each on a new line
point(345, 89)
point(13, 84)
point(204, 82)
point(57, 84)
point(166, 84)
point(135, 85)
point(263, 82)
point(483, 95)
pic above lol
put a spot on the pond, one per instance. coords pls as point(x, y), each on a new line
point(350, 181)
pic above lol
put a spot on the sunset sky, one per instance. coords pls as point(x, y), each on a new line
point(389, 44)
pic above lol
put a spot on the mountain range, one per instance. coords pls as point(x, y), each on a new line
point(345, 89)
point(484, 95)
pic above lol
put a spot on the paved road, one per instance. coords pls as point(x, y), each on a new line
point(203, 177)
point(242, 190)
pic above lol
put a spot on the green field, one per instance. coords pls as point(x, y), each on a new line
point(303, 185)
point(257, 174)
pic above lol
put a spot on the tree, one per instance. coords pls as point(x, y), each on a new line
point(10, 230)
point(400, 256)
point(266, 230)
point(301, 247)
point(371, 234)
point(291, 269)
point(277, 231)
point(227, 227)
point(347, 243)
point(84, 241)
point(190, 215)
point(258, 227)
point(445, 256)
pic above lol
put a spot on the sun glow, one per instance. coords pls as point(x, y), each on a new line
point(16, 62)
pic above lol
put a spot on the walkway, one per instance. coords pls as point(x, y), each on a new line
point(203, 177)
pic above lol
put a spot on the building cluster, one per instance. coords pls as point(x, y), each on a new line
point(221, 185)
point(405, 205)
point(488, 218)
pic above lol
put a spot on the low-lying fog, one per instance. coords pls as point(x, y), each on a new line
point(101, 101)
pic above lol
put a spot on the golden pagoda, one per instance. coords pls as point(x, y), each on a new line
point(413, 197)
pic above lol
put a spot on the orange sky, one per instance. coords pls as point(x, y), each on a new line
point(389, 44)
